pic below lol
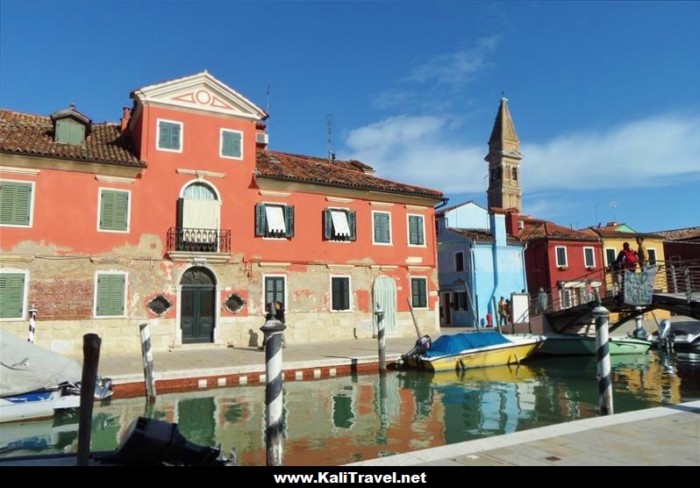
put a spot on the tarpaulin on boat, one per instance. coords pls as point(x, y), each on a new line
point(455, 343)
point(26, 367)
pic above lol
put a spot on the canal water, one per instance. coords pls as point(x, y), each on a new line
point(347, 419)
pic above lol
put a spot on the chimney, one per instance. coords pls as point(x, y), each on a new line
point(512, 218)
point(261, 137)
point(126, 116)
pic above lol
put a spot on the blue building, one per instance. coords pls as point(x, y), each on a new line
point(478, 262)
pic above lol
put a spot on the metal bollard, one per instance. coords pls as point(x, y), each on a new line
point(274, 380)
point(147, 357)
point(605, 398)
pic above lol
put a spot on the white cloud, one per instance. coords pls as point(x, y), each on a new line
point(455, 68)
point(425, 151)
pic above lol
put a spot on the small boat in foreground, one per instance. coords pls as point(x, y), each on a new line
point(472, 350)
point(583, 345)
point(36, 382)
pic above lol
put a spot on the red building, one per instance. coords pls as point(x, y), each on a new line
point(566, 263)
point(181, 216)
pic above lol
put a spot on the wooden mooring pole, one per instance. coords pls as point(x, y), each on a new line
point(147, 357)
point(381, 339)
point(274, 393)
point(605, 398)
point(91, 358)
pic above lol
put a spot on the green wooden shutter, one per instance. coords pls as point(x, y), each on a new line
point(352, 223)
point(114, 210)
point(260, 220)
point(381, 228)
point(231, 144)
point(15, 203)
point(11, 295)
point(289, 220)
point(415, 229)
point(163, 135)
point(110, 295)
point(174, 136)
point(327, 224)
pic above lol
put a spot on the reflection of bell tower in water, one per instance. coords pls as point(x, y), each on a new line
point(504, 162)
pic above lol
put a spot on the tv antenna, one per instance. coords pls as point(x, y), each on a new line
point(329, 140)
point(613, 205)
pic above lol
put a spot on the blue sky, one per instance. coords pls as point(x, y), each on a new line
point(605, 95)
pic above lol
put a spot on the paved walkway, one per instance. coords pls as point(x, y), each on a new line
point(662, 436)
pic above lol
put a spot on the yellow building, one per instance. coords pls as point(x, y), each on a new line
point(612, 238)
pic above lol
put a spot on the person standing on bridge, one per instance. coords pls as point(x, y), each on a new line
point(642, 255)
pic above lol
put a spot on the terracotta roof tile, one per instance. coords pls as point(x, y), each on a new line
point(348, 174)
point(33, 135)
point(480, 235)
point(543, 229)
point(680, 234)
point(611, 232)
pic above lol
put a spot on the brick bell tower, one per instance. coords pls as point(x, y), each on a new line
point(504, 162)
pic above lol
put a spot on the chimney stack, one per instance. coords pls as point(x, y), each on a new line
point(126, 116)
point(512, 219)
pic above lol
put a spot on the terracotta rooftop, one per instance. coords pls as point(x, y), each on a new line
point(349, 174)
point(543, 229)
point(610, 232)
point(480, 235)
point(33, 135)
point(680, 234)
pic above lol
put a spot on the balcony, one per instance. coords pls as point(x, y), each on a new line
point(190, 244)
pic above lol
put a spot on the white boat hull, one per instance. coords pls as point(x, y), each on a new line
point(35, 405)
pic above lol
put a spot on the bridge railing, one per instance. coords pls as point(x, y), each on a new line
point(671, 277)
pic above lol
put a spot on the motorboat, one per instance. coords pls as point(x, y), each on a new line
point(681, 336)
point(36, 382)
point(471, 350)
point(585, 345)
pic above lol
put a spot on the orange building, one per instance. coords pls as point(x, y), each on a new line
point(181, 216)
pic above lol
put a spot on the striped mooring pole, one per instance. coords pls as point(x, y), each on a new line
point(274, 394)
point(605, 397)
point(381, 339)
point(147, 357)
point(32, 324)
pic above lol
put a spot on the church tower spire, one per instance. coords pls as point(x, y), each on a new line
point(504, 162)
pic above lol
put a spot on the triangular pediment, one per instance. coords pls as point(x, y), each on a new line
point(200, 92)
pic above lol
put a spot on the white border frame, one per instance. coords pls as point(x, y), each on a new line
point(126, 296)
point(391, 230)
point(221, 144)
point(333, 237)
point(128, 210)
point(408, 230)
point(656, 256)
point(614, 255)
point(25, 294)
point(556, 257)
point(427, 292)
point(585, 264)
point(31, 204)
point(284, 216)
point(182, 135)
point(263, 291)
point(330, 290)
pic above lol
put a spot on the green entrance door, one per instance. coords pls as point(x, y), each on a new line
point(197, 297)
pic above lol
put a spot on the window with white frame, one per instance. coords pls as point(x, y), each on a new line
point(13, 285)
point(339, 224)
point(274, 220)
point(651, 253)
point(588, 257)
point(16, 203)
point(381, 227)
point(169, 136)
point(610, 256)
point(114, 210)
point(340, 293)
point(561, 256)
point(459, 261)
point(416, 230)
point(110, 294)
point(231, 144)
point(419, 292)
point(275, 290)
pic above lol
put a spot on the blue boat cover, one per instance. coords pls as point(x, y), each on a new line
point(455, 343)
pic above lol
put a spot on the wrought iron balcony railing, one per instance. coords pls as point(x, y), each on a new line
point(199, 240)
